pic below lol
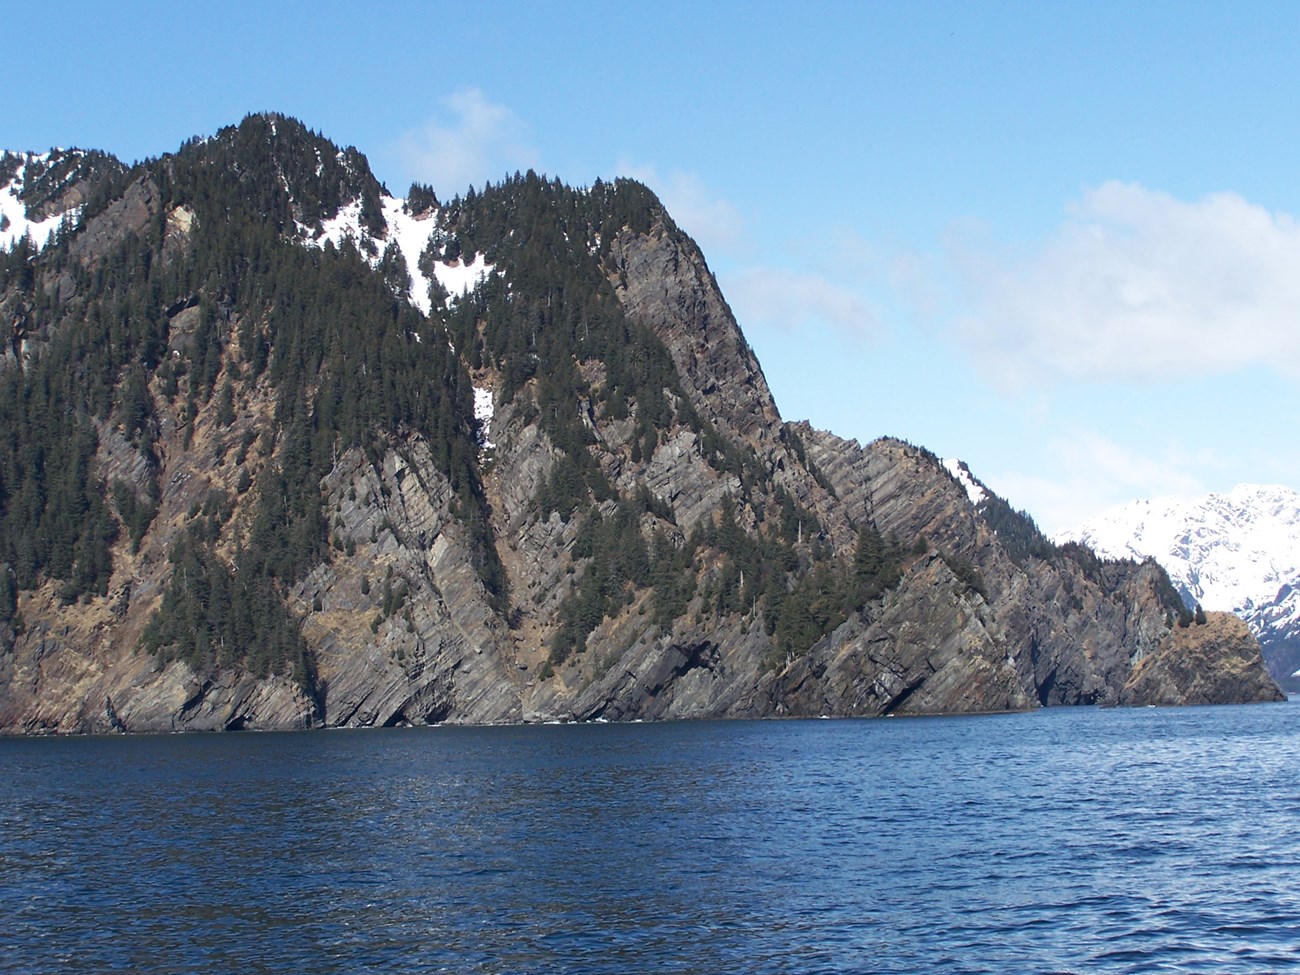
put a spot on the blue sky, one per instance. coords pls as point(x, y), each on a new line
point(1057, 241)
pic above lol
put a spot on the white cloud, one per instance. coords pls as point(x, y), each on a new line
point(711, 219)
point(1091, 473)
point(1138, 284)
point(474, 140)
point(789, 299)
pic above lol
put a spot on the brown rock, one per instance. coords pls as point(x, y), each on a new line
point(1219, 660)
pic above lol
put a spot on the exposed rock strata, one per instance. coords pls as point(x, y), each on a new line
point(973, 624)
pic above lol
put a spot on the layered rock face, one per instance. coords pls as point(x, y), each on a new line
point(635, 534)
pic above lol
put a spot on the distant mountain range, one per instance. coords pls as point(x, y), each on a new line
point(1236, 552)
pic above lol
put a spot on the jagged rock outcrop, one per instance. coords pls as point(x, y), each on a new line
point(262, 479)
point(1202, 664)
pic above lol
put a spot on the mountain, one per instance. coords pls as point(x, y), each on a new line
point(281, 450)
point(1238, 552)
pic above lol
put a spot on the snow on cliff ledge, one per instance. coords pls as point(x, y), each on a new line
point(958, 469)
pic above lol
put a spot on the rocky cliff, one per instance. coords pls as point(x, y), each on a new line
point(1201, 664)
point(285, 452)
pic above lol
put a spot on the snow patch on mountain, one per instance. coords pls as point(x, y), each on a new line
point(411, 234)
point(974, 490)
point(14, 224)
point(483, 413)
point(460, 278)
point(344, 225)
point(1238, 551)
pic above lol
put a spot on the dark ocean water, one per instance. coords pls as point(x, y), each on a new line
point(1074, 840)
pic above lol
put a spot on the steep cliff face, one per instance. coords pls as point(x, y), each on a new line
point(245, 485)
point(662, 281)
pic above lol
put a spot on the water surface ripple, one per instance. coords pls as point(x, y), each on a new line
point(1061, 841)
